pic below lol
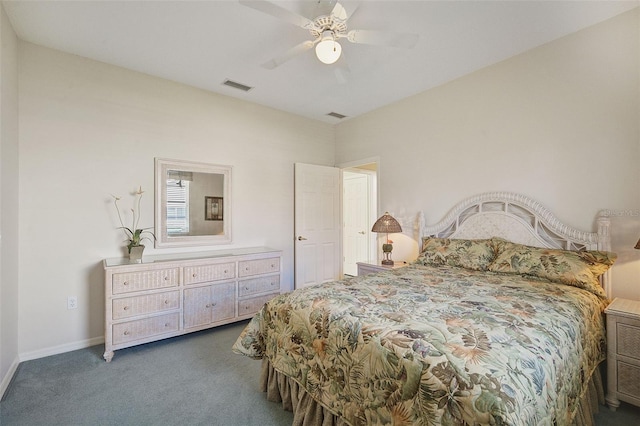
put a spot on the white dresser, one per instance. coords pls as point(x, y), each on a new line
point(170, 295)
point(623, 352)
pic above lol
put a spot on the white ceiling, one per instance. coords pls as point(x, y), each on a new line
point(203, 43)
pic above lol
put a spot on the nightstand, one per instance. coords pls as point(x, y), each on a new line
point(372, 267)
point(623, 352)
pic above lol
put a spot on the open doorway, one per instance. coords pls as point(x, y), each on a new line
point(359, 203)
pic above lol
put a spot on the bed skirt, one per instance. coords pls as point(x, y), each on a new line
point(308, 412)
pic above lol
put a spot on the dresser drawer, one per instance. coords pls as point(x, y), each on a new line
point(253, 305)
point(259, 266)
point(135, 330)
point(628, 379)
point(138, 305)
point(146, 280)
point(259, 285)
point(628, 340)
point(207, 273)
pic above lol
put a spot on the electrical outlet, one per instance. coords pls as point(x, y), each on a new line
point(72, 302)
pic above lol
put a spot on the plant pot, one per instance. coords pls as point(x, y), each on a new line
point(135, 253)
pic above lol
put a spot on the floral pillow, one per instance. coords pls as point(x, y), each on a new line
point(470, 254)
point(576, 268)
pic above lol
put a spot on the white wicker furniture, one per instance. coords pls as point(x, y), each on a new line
point(519, 219)
point(623, 352)
point(373, 267)
point(166, 296)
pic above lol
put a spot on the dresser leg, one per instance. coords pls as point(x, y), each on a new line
point(108, 356)
point(613, 402)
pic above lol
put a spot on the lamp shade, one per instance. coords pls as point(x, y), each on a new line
point(328, 50)
point(386, 223)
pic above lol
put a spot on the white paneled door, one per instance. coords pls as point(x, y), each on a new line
point(317, 224)
point(356, 233)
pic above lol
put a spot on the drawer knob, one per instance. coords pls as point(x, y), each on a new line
point(246, 288)
point(194, 275)
point(213, 304)
point(226, 272)
point(166, 302)
point(126, 332)
point(207, 305)
point(166, 278)
point(125, 308)
point(273, 266)
point(125, 283)
point(246, 269)
point(166, 324)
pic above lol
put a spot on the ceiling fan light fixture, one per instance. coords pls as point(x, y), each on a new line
point(328, 50)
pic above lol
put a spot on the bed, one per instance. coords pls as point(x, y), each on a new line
point(498, 321)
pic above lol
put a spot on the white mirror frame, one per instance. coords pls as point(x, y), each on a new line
point(162, 166)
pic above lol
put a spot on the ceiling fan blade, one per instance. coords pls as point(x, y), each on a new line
point(344, 13)
point(294, 51)
point(383, 38)
point(279, 12)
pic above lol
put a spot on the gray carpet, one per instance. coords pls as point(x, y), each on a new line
point(193, 379)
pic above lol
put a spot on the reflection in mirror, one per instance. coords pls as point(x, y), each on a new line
point(192, 203)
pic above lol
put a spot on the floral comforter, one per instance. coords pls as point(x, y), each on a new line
point(425, 345)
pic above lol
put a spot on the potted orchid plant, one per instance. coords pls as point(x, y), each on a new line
point(134, 234)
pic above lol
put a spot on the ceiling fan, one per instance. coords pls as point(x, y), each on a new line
point(326, 30)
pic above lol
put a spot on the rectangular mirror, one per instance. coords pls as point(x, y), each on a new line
point(193, 203)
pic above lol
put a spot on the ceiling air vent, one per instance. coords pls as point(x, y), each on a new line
point(336, 115)
point(237, 85)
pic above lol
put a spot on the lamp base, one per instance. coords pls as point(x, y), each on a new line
point(387, 257)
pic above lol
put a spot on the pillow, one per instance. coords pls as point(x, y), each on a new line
point(575, 268)
point(470, 254)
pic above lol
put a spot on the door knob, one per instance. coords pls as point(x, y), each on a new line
point(301, 238)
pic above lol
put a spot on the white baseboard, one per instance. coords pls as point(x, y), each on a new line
point(7, 378)
point(55, 350)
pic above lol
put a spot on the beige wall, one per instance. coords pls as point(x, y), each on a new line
point(8, 201)
point(558, 123)
point(88, 130)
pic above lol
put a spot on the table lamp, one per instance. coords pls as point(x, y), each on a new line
point(386, 224)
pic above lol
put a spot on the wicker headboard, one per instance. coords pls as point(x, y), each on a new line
point(519, 219)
